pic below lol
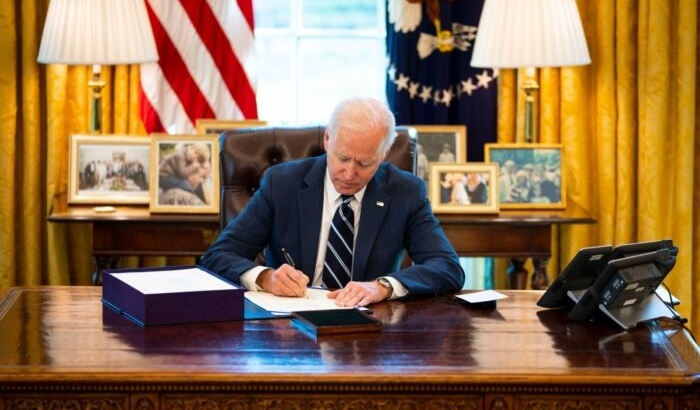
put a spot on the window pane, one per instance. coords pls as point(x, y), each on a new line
point(272, 13)
point(275, 74)
point(340, 14)
point(332, 69)
point(313, 53)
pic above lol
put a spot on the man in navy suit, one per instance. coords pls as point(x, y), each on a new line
point(296, 202)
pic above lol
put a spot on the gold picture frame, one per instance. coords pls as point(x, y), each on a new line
point(469, 188)
point(531, 175)
point(108, 169)
point(214, 126)
point(184, 174)
point(439, 143)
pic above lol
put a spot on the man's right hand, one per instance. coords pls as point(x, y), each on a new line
point(283, 281)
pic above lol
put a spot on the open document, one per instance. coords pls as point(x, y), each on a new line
point(315, 299)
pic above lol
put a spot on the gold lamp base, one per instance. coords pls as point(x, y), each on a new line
point(96, 83)
point(530, 88)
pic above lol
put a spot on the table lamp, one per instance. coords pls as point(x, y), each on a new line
point(530, 34)
point(97, 32)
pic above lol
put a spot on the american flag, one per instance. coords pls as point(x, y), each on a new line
point(205, 50)
point(430, 80)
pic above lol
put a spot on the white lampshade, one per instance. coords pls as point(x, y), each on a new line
point(530, 33)
point(97, 32)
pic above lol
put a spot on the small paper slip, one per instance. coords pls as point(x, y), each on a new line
point(479, 297)
point(315, 299)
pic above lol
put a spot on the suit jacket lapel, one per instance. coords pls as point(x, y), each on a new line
point(310, 203)
point(375, 204)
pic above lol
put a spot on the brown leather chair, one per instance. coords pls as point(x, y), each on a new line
point(246, 153)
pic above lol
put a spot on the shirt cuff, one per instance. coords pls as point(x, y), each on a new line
point(399, 289)
point(249, 277)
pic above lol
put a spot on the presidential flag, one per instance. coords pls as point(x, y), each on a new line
point(430, 80)
point(204, 70)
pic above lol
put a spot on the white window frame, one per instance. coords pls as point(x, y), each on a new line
point(296, 32)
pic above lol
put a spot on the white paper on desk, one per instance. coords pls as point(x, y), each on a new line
point(483, 296)
point(172, 281)
point(315, 299)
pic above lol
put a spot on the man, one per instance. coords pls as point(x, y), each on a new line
point(293, 209)
point(507, 179)
point(422, 164)
point(189, 191)
point(446, 155)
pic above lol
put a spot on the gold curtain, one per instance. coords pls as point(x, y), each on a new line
point(627, 126)
point(67, 112)
point(41, 107)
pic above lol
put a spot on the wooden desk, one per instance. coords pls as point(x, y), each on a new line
point(60, 349)
point(135, 231)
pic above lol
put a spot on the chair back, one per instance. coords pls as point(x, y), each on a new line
point(246, 153)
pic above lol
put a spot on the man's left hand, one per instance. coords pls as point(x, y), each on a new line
point(359, 294)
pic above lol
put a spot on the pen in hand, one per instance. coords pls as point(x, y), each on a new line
point(288, 258)
point(290, 262)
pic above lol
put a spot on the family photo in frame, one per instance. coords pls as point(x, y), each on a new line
point(464, 188)
point(184, 173)
point(530, 175)
point(439, 143)
point(108, 169)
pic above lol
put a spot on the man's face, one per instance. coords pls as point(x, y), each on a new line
point(353, 160)
point(200, 175)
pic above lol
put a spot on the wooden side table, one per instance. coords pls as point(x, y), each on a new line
point(134, 231)
point(516, 234)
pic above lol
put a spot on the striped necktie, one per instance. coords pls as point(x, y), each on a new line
point(337, 267)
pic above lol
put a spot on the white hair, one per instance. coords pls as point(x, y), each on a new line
point(361, 114)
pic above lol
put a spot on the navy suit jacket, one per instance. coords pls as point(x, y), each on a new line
point(286, 213)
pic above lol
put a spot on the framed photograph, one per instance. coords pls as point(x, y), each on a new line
point(184, 173)
point(464, 188)
point(531, 175)
point(439, 143)
point(108, 169)
point(214, 126)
